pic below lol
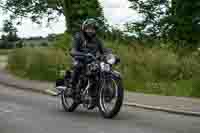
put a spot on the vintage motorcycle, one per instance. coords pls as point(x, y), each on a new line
point(98, 83)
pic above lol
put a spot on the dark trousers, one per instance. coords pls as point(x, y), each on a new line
point(79, 65)
point(77, 68)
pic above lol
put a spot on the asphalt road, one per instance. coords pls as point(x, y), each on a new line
point(26, 112)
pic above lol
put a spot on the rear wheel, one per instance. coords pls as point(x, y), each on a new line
point(111, 98)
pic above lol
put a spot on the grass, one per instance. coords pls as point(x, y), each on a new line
point(37, 63)
point(148, 70)
point(158, 71)
point(5, 51)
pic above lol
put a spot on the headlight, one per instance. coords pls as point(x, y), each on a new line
point(105, 67)
point(111, 59)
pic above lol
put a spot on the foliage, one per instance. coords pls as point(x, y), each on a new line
point(19, 44)
point(74, 11)
point(116, 35)
point(37, 63)
point(8, 27)
point(63, 42)
point(157, 70)
point(35, 10)
point(11, 37)
point(176, 20)
point(153, 13)
point(8, 41)
point(195, 91)
point(150, 70)
point(80, 10)
point(6, 45)
point(186, 14)
point(44, 44)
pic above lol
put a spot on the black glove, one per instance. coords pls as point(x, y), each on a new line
point(89, 55)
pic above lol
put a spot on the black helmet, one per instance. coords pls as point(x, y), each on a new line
point(90, 23)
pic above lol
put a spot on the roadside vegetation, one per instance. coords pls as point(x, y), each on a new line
point(5, 51)
point(37, 63)
point(153, 70)
point(159, 53)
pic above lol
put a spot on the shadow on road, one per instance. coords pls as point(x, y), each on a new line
point(94, 114)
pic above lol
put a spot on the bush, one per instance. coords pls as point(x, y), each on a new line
point(37, 63)
point(6, 45)
point(19, 44)
point(44, 44)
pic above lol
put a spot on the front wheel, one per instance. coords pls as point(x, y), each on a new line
point(68, 102)
point(111, 98)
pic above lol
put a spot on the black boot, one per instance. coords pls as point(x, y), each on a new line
point(75, 93)
point(74, 81)
point(77, 96)
point(93, 103)
point(93, 95)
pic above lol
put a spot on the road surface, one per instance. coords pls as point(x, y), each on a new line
point(27, 112)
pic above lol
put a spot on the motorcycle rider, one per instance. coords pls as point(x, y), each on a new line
point(85, 44)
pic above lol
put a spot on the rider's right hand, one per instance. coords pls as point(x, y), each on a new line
point(89, 55)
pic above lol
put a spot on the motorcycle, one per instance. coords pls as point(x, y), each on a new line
point(100, 86)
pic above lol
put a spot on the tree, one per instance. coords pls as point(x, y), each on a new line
point(8, 27)
point(73, 10)
point(153, 12)
point(9, 40)
point(10, 30)
point(185, 19)
point(82, 9)
point(176, 20)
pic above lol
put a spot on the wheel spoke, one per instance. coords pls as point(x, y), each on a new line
point(108, 101)
point(68, 100)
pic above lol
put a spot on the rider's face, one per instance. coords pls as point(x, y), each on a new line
point(90, 30)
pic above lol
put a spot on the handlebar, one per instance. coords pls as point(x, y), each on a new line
point(83, 55)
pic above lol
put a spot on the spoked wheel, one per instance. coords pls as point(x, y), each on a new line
point(111, 98)
point(68, 102)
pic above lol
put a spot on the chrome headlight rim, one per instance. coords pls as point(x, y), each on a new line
point(105, 67)
point(111, 59)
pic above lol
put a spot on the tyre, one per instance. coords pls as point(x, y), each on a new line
point(118, 94)
point(65, 100)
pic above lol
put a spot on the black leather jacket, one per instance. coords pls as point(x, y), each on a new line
point(81, 45)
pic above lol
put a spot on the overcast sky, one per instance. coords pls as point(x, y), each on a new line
point(116, 11)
